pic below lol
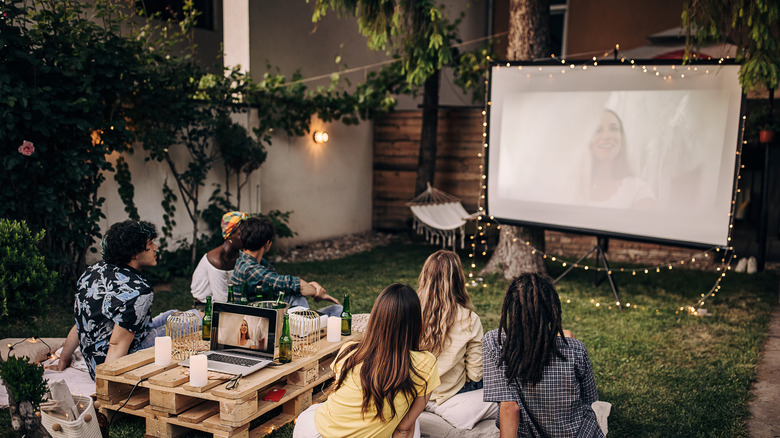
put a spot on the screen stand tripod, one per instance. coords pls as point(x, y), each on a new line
point(600, 248)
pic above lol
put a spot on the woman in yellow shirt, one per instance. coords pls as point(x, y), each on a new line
point(383, 381)
point(452, 331)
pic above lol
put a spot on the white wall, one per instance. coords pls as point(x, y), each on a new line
point(328, 187)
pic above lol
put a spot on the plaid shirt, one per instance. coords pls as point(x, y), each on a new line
point(254, 273)
point(560, 402)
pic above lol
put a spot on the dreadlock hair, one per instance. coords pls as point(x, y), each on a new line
point(530, 323)
point(441, 288)
point(384, 353)
point(126, 239)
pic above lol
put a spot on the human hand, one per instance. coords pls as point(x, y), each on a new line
point(569, 334)
point(327, 298)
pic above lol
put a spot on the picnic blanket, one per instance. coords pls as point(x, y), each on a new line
point(76, 376)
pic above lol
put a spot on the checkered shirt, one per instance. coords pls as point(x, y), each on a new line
point(263, 274)
point(560, 402)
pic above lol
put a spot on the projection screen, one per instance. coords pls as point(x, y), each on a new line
point(644, 152)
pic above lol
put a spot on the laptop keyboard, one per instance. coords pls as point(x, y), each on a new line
point(234, 360)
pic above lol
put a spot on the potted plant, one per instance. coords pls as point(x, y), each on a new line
point(26, 391)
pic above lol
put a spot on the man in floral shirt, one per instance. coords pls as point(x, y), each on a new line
point(114, 300)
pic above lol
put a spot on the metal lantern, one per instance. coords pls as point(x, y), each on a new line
point(305, 328)
point(185, 334)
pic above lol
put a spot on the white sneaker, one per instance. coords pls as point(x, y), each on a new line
point(741, 265)
point(752, 266)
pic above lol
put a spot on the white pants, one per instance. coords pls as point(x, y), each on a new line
point(305, 428)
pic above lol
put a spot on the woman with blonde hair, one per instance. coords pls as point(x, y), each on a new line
point(452, 331)
point(382, 381)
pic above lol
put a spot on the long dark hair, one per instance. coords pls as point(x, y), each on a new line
point(392, 333)
point(530, 323)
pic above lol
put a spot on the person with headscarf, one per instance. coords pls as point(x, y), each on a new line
point(210, 278)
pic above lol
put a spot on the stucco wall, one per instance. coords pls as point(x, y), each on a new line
point(328, 187)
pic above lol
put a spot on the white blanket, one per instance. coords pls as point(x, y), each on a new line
point(76, 376)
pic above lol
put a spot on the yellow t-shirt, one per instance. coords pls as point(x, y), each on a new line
point(340, 415)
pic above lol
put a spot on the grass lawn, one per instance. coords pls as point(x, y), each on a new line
point(666, 373)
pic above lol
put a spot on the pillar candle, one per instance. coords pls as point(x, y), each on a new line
point(334, 329)
point(199, 372)
point(162, 351)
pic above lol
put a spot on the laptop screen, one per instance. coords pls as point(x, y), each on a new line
point(252, 330)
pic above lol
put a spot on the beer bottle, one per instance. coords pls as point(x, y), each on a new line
point(244, 299)
point(231, 297)
point(259, 292)
point(346, 318)
point(207, 321)
point(285, 342)
point(279, 301)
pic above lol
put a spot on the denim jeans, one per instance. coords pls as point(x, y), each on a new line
point(157, 327)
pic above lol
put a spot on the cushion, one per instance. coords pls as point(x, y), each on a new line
point(464, 410)
point(433, 426)
point(35, 350)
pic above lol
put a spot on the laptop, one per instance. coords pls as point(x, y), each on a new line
point(242, 338)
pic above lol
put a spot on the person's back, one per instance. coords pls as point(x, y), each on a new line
point(383, 381)
point(213, 272)
point(543, 380)
point(452, 331)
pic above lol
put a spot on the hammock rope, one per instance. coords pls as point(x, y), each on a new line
point(440, 217)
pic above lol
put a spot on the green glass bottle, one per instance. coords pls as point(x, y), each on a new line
point(207, 321)
point(231, 297)
point(244, 299)
point(346, 318)
point(279, 301)
point(258, 293)
point(285, 342)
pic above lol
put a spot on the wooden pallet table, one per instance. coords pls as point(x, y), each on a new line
point(171, 406)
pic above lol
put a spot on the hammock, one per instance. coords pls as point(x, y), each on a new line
point(439, 216)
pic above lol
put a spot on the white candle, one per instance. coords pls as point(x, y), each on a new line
point(323, 322)
point(334, 329)
point(199, 372)
point(162, 351)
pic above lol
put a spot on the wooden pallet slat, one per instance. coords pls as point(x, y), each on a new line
point(200, 412)
point(126, 363)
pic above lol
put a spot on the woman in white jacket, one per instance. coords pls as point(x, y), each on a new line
point(452, 331)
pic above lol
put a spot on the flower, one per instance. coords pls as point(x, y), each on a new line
point(26, 148)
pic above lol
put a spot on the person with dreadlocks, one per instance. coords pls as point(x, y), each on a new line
point(113, 304)
point(382, 381)
point(542, 379)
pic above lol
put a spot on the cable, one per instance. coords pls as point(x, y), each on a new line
point(125, 402)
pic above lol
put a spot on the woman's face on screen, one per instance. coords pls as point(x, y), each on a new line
point(608, 140)
point(244, 327)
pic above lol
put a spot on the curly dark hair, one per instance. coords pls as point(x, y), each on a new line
point(530, 323)
point(124, 240)
point(255, 232)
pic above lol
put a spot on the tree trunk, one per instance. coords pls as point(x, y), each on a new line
point(529, 38)
point(23, 419)
point(426, 168)
point(529, 30)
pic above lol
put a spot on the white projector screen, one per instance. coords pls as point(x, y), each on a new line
point(646, 152)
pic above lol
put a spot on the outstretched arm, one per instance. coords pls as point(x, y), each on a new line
point(71, 342)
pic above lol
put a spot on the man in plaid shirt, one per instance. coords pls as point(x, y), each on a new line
point(254, 270)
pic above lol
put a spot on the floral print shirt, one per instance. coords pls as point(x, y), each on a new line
point(107, 295)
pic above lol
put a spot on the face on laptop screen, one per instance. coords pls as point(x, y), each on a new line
point(243, 327)
point(243, 331)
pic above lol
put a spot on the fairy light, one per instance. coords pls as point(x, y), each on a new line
point(661, 71)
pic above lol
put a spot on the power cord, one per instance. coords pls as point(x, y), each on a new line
point(125, 402)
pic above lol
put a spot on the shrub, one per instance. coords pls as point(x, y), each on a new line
point(25, 281)
point(24, 380)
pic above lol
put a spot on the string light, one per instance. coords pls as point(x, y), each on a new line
point(658, 70)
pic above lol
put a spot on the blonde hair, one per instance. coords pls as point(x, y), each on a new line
point(441, 288)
